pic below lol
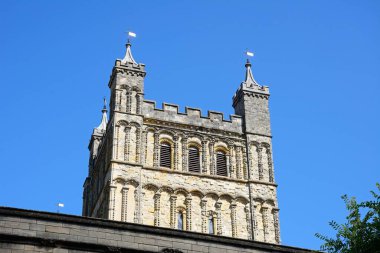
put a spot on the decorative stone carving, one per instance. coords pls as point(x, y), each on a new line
point(249, 221)
point(212, 157)
point(218, 206)
point(270, 166)
point(276, 225)
point(175, 139)
point(233, 219)
point(260, 163)
point(188, 213)
point(184, 153)
point(264, 213)
point(156, 149)
point(138, 144)
point(204, 215)
point(173, 208)
point(111, 208)
point(127, 143)
point(124, 203)
point(157, 205)
point(137, 207)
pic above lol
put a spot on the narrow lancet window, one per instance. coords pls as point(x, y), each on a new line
point(194, 163)
point(211, 225)
point(180, 221)
point(166, 155)
point(221, 164)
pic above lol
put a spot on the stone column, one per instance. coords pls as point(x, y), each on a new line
point(270, 166)
point(157, 204)
point(111, 207)
point(204, 157)
point(127, 131)
point(231, 159)
point(239, 172)
point(144, 137)
point(204, 215)
point(173, 209)
point(260, 162)
point(175, 138)
point(233, 219)
point(136, 217)
point(264, 212)
point(156, 150)
point(117, 100)
point(218, 206)
point(212, 157)
point(248, 219)
point(246, 175)
point(138, 144)
point(184, 153)
point(276, 225)
point(116, 142)
point(138, 103)
point(188, 213)
point(124, 203)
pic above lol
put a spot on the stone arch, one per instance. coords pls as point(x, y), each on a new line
point(226, 196)
point(181, 190)
point(196, 193)
point(135, 88)
point(167, 132)
point(242, 199)
point(119, 180)
point(152, 187)
point(122, 123)
point(132, 182)
point(165, 189)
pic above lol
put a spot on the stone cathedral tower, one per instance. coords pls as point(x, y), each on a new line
point(160, 167)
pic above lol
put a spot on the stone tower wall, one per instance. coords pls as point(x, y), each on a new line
point(127, 183)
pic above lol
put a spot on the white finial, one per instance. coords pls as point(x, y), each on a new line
point(103, 123)
point(128, 54)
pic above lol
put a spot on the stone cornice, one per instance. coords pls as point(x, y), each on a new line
point(215, 177)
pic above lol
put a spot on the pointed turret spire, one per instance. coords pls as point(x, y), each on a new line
point(249, 80)
point(103, 123)
point(128, 54)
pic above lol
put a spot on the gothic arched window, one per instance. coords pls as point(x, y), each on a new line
point(166, 155)
point(211, 225)
point(194, 163)
point(221, 163)
point(180, 221)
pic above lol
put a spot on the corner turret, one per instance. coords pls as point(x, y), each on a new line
point(251, 102)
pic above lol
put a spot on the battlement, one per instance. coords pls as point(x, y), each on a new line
point(192, 116)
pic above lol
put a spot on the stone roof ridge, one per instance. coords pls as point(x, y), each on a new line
point(192, 112)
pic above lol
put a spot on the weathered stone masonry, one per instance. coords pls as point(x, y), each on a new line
point(159, 167)
point(25, 231)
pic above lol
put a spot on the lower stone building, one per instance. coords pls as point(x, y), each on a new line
point(25, 231)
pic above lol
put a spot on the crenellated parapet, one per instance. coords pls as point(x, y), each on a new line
point(192, 116)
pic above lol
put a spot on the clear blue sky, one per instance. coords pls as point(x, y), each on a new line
point(321, 60)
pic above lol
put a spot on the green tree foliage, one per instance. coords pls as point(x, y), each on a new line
point(357, 235)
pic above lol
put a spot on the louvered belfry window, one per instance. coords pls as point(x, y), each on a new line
point(194, 164)
point(166, 155)
point(221, 164)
